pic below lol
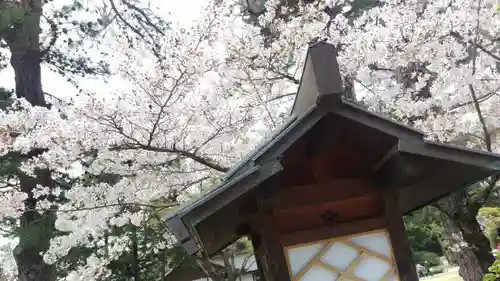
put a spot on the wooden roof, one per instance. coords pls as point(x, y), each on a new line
point(328, 136)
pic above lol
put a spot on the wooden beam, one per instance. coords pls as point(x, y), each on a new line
point(329, 213)
point(329, 192)
point(259, 252)
point(337, 230)
point(385, 160)
point(394, 169)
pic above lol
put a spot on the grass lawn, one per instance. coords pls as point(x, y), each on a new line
point(449, 276)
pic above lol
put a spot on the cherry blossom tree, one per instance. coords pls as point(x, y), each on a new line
point(197, 98)
point(117, 160)
point(57, 35)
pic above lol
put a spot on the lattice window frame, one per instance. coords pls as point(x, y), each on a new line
point(349, 273)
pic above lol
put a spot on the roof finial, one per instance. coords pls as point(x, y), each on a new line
point(320, 77)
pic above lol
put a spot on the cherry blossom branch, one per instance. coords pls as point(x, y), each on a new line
point(332, 12)
point(365, 86)
point(55, 35)
point(132, 204)
point(188, 184)
point(480, 99)
point(193, 156)
point(461, 39)
point(259, 97)
point(8, 231)
point(136, 31)
point(281, 96)
point(123, 20)
point(287, 76)
point(141, 12)
point(135, 144)
point(174, 88)
point(272, 68)
point(487, 137)
point(209, 139)
point(57, 98)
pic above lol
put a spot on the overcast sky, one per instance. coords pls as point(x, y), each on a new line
point(183, 11)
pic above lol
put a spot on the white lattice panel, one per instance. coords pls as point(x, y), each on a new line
point(362, 257)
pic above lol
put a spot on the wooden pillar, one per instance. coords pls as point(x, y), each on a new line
point(274, 262)
point(270, 255)
point(397, 235)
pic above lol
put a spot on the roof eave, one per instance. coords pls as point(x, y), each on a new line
point(183, 223)
point(452, 153)
point(356, 112)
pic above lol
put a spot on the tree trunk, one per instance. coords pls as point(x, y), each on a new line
point(349, 92)
point(27, 72)
point(471, 248)
point(136, 269)
point(34, 235)
point(31, 266)
point(35, 228)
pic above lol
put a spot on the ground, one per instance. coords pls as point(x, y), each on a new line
point(448, 276)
